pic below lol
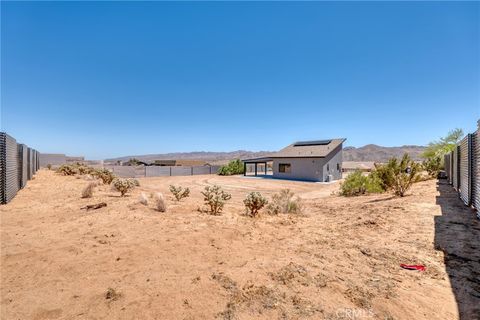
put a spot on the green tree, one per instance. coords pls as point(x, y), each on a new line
point(443, 146)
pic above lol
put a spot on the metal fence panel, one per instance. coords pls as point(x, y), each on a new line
point(23, 165)
point(157, 171)
point(455, 168)
point(476, 169)
point(447, 160)
point(181, 171)
point(9, 183)
point(53, 159)
point(129, 171)
point(465, 169)
point(201, 170)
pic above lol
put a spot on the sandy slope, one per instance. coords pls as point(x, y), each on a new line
point(338, 261)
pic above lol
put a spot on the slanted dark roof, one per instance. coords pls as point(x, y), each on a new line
point(305, 149)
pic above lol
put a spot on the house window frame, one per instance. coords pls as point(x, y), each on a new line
point(285, 167)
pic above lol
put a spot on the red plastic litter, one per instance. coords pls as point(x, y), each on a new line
point(413, 267)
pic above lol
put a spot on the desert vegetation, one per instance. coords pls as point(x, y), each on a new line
point(254, 202)
point(124, 185)
point(179, 192)
point(315, 249)
point(396, 176)
point(87, 192)
point(215, 198)
point(232, 168)
point(285, 202)
point(160, 203)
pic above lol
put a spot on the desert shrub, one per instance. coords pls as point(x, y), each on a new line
point(233, 167)
point(67, 170)
point(432, 165)
point(405, 172)
point(160, 203)
point(143, 199)
point(123, 185)
point(179, 193)
point(254, 202)
point(104, 174)
point(384, 174)
point(83, 169)
point(135, 182)
point(49, 166)
point(88, 190)
point(357, 184)
point(285, 202)
point(215, 198)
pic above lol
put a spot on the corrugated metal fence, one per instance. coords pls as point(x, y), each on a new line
point(462, 167)
point(161, 171)
point(18, 163)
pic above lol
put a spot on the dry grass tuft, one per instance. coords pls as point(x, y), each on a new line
point(143, 199)
point(160, 203)
point(88, 190)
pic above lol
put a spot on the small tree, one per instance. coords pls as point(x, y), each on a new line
point(215, 198)
point(444, 145)
point(123, 185)
point(405, 172)
point(233, 167)
point(433, 165)
point(179, 193)
point(254, 202)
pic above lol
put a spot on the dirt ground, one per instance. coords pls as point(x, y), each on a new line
point(339, 260)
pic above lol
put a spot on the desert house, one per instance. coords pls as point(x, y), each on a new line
point(318, 160)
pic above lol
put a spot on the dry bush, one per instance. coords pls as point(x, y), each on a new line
point(254, 202)
point(179, 193)
point(123, 185)
point(105, 175)
point(160, 203)
point(88, 190)
point(67, 170)
point(143, 199)
point(49, 166)
point(215, 198)
point(285, 202)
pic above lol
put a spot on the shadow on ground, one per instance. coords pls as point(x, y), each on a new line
point(457, 234)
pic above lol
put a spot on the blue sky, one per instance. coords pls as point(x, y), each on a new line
point(105, 79)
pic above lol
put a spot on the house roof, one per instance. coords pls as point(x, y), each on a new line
point(304, 149)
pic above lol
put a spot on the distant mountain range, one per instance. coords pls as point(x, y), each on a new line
point(370, 152)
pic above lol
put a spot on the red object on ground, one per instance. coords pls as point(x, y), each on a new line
point(413, 267)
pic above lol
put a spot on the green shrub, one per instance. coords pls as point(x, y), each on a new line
point(215, 198)
point(233, 167)
point(254, 202)
point(104, 174)
point(123, 185)
point(285, 202)
point(357, 184)
point(405, 173)
point(384, 174)
point(432, 165)
point(67, 170)
point(179, 193)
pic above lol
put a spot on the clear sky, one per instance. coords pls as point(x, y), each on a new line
point(105, 79)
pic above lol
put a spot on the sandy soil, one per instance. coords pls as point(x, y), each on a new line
point(340, 260)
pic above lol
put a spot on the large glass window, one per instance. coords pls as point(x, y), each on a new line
point(284, 167)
